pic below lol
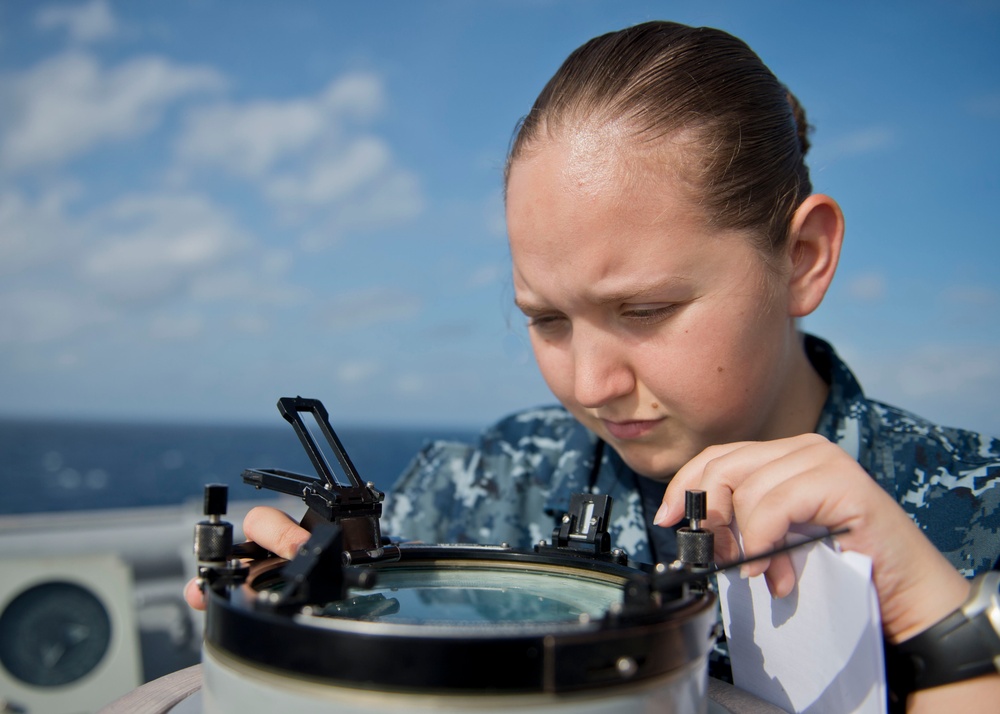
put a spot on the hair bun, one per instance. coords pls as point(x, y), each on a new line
point(802, 125)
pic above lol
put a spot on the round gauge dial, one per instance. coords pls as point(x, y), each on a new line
point(53, 634)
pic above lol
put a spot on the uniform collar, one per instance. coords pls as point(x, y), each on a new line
point(845, 408)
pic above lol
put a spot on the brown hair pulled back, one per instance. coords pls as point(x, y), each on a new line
point(661, 78)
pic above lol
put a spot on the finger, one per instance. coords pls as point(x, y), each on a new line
point(830, 498)
point(915, 583)
point(692, 476)
point(727, 548)
point(275, 531)
point(780, 575)
point(804, 487)
point(721, 470)
point(760, 468)
point(805, 456)
point(193, 595)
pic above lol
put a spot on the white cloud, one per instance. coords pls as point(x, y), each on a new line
point(176, 327)
point(33, 232)
point(86, 22)
point(370, 306)
point(140, 256)
point(333, 177)
point(867, 287)
point(259, 280)
point(411, 384)
point(391, 199)
point(859, 143)
point(151, 244)
point(380, 203)
point(69, 104)
point(357, 372)
point(486, 276)
point(250, 139)
point(311, 157)
point(246, 284)
point(947, 370)
point(41, 314)
point(277, 262)
point(358, 95)
point(951, 384)
point(250, 324)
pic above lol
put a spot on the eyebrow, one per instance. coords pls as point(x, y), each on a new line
point(527, 308)
point(624, 295)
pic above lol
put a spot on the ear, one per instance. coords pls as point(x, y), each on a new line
point(815, 237)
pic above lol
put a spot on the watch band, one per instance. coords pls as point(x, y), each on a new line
point(963, 645)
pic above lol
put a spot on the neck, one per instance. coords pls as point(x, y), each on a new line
point(802, 397)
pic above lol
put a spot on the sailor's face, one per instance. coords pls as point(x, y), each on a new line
point(662, 335)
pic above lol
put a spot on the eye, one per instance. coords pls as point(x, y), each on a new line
point(648, 314)
point(548, 324)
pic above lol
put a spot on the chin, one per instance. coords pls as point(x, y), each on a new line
point(654, 461)
point(658, 466)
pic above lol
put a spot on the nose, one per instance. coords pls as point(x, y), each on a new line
point(601, 371)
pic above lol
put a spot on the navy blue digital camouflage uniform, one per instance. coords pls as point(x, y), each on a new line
point(514, 485)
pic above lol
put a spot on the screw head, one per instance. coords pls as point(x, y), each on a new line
point(626, 667)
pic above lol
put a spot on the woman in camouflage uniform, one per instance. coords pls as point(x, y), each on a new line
point(665, 240)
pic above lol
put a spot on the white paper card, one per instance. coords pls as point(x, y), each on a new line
point(817, 650)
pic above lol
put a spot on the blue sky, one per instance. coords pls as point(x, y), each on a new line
point(208, 205)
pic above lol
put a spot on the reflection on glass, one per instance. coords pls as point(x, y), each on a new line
point(478, 596)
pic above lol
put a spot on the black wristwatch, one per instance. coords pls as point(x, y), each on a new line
point(963, 645)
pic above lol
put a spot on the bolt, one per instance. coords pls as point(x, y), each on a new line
point(626, 667)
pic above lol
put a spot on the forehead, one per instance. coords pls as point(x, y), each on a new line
point(587, 159)
point(598, 181)
point(605, 164)
point(607, 154)
point(593, 213)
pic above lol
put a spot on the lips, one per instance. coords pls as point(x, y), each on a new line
point(628, 430)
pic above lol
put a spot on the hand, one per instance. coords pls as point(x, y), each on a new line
point(273, 529)
point(766, 487)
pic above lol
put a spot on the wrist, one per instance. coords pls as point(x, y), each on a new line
point(962, 645)
point(933, 606)
point(915, 596)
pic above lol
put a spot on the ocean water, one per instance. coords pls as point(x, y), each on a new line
point(75, 465)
